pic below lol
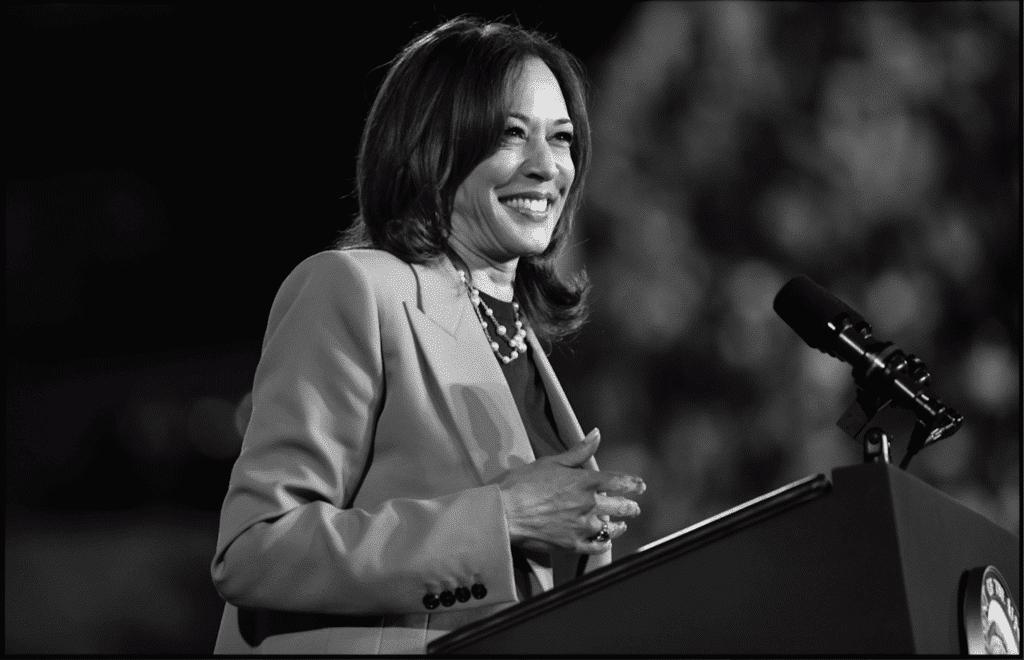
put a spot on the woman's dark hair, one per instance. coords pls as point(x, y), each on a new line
point(440, 112)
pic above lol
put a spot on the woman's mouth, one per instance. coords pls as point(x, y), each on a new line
point(528, 206)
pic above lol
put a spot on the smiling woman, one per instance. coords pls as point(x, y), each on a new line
point(467, 105)
point(411, 463)
point(510, 203)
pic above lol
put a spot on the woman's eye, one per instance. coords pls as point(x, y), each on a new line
point(514, 132)
point(565, 137)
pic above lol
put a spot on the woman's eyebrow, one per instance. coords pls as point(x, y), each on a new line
point(524, 118)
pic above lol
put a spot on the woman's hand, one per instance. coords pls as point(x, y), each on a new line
point(553, 504)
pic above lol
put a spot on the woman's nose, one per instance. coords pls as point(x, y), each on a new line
point(540, 161)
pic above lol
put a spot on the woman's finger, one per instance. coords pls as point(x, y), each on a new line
point(617, 482)
point(620, 507)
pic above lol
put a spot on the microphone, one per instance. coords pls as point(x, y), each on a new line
point(828, 324)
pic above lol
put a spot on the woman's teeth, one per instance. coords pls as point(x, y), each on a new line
point(527, 204)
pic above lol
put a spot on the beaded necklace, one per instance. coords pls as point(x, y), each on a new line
point(514, 342)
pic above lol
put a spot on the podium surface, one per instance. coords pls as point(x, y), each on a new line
point(872, 562)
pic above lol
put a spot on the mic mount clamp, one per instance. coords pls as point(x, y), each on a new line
point(876, 446)
point(884, 376)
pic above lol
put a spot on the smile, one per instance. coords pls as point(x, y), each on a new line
point(533, 208)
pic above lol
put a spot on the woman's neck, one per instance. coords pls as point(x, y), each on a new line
point(496, 279)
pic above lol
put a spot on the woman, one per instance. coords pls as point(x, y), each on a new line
point(411, 463)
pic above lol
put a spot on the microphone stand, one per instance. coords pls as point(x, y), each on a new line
point(887, 376)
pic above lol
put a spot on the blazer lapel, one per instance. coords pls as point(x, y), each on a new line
point(474, 391)
point(471, 384)
point(569, 428)
point(564, 565)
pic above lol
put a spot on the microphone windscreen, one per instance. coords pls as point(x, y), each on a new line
point(808, 308)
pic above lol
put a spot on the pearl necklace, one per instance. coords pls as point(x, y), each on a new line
point(516, 342)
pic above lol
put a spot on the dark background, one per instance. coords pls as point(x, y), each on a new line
point(169, 165)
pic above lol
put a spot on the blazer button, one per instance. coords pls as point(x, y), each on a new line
point(479, 591)
point(462, 594)
point(447, 598)
point(430, 601)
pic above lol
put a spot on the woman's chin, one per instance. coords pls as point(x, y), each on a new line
point(531, 241)
point(531, 248)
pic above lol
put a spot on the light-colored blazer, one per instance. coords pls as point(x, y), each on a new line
point(381, 426)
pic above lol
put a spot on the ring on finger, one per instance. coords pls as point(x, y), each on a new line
point(603, 535)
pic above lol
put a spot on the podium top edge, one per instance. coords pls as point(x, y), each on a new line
point(812, 482)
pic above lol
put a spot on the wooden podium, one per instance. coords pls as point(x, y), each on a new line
point(872, 562)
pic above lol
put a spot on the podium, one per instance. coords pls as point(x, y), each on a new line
point(873, 561)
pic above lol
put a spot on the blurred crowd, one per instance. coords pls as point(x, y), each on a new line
point(872, 146)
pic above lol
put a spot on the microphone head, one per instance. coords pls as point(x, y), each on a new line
point(808, 308)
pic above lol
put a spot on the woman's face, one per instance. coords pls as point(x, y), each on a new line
point(510, 203)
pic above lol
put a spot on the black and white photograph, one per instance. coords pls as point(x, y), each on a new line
point(686, 328)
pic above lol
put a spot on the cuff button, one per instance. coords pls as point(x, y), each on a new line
point(462, 594)
point(430, 601)
point(479, 591)
point(447, 598)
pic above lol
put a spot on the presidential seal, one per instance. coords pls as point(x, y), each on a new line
point(990, 618)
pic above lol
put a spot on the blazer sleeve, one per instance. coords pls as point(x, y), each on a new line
point(288, 537)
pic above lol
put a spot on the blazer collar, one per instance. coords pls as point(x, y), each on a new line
point(442, 296)
point(444, 299)
point(470, 380)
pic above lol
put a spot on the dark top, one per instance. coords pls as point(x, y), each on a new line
point(535, 410)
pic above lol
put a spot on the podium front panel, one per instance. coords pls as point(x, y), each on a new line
point(852, 569)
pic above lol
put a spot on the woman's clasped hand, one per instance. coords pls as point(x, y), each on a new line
point(551, 504)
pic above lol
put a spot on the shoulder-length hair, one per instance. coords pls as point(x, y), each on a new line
point(440, 111)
